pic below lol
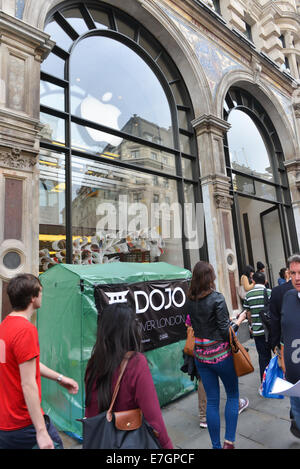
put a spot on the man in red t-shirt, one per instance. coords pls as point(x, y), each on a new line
point(23, 424)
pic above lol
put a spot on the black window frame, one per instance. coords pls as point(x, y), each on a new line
point(113, 12)
point(239, 98)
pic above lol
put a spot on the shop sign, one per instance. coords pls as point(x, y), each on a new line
point(159, 306)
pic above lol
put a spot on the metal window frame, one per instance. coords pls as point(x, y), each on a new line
point(113, 12)
point(251, 106)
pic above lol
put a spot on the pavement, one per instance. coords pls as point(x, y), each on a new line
point(265, 424)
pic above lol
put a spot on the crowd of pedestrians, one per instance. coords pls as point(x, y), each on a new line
point(23, 422)
point(282, 338)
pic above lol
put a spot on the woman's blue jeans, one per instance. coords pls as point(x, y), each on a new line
point(210, 374)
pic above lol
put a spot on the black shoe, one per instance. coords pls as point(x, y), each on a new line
point(294, 429)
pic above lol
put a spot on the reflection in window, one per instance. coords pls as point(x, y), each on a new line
point(194, 223)
point(187, 168)
point(247, 149)
point(58, 35)
point(128, 88)
point(94, 141)
point(52, 96)
point(251, 187)
point(52, 210)
point(110, 226)
point(243, 184)
point(75, 20)
point(53, 128)
point(185, 144)
point(265, 191)
point(54, 65)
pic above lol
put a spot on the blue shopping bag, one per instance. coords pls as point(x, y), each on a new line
point(271, 372)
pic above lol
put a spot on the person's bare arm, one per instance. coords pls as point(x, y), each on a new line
point(70, 384)
point(246, 284)
point(32, 399)
point(241, 317)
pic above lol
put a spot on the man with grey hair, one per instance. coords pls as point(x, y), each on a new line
point(290, 342)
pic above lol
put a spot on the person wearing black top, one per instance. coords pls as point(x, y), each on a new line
point(213, 358)
point(261, 268)
point(276, 299)
point(290, 338)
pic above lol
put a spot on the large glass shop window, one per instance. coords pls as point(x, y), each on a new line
point(111, 85)
point(117, 214)
point(123, 215)
point(247, 149)
point(255, 165)
point(117, 118)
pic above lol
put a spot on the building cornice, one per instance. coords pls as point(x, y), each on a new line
point(233, 42)
point(24, 32)
point(209, 122)
point(293, 166)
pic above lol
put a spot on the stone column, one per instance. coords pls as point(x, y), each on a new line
point(22, 49)
point(293, 167)
point(293, 172)
point(291, 54)
point(217, 202)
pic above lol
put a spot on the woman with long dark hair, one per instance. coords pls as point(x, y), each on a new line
point(119, 332)
point(246, 278)
point(210, 321)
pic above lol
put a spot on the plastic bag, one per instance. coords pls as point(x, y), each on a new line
point(271, 372)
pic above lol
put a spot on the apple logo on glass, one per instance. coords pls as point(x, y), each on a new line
point(103, 113)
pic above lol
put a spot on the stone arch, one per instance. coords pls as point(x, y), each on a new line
point(162, 27)
point(268, 100)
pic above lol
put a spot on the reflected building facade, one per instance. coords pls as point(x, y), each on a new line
point(144, 132)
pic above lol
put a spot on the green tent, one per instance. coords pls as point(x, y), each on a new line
point(67, 323)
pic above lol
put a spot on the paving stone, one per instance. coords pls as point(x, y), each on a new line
point(265, 424)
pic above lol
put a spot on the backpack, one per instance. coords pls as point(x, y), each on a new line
point(265, 316)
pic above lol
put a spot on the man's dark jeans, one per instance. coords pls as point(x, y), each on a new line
point(264, 353)
point(25, 438)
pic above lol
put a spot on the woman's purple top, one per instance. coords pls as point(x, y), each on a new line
point(136, 391)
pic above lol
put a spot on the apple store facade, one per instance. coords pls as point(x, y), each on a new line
point(136, 132)
point(115, 103)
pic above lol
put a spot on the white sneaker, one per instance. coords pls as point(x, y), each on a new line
point(203, 425)
point(243, 404)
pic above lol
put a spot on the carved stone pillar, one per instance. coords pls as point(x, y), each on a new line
point(269, 39)
point(234, 14)
point(217, 205)
point(22, 49)
point(293, 172)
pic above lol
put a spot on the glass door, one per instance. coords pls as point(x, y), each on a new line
point(273, 243)
point(259, 236)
